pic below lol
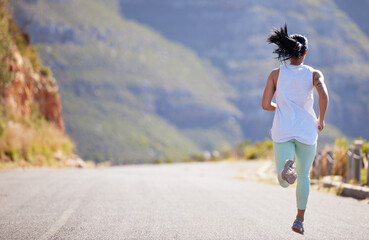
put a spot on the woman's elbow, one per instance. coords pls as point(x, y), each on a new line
point(324, 96)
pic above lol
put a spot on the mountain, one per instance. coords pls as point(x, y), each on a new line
point(357, 11)
point(232, 35)
point(145, 79)
point(129, 94)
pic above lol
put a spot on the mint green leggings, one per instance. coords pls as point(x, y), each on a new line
point(305, 155)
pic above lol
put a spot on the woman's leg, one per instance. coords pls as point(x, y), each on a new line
point(282, 152)
point(305, 155)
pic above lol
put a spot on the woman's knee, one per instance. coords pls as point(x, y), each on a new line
point(303, 175)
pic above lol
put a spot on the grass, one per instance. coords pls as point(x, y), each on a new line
point(245, 150)
point(363, 176)
point(32, 141)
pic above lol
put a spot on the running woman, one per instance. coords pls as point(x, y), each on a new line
point(295, 125)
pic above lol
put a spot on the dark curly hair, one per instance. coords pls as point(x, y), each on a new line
point(294, 45)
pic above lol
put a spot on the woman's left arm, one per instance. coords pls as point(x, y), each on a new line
point(269, 91)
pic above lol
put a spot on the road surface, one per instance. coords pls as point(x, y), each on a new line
point(170, 201)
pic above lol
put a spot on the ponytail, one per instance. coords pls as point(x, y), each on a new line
point(288, 46)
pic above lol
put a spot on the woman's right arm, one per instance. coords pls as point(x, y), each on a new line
point(318, 81)
point(269, 91)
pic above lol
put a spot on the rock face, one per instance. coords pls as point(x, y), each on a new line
point(30, 89)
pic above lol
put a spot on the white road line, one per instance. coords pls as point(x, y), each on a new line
point(62, 220)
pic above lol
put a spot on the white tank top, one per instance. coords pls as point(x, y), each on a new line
point(294, 116)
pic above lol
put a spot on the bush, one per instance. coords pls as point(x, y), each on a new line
point(251, 152)
point(46, 71)
point(2, 129)
point(259, 150)
point(340, 157)
point(34, 141)
point(198, 157)
point(159, 161)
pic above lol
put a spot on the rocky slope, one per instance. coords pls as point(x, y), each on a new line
point(29, 87)
point(29, 95)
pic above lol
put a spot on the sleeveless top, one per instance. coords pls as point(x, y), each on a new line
point(294, 117)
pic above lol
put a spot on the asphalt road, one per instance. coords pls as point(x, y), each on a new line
point(172, 201)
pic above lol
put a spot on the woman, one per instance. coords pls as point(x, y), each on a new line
point(295, 125)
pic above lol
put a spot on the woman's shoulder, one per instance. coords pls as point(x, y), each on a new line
point(275, 74)
point(275, 71)
point(314, 70)
point(310, 68)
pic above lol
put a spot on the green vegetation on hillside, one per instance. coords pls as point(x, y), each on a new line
point(132, 95)
point(5, 45)
point(233, 36)
point(128, 93)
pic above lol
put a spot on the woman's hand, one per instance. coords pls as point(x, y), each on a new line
point(321, 124)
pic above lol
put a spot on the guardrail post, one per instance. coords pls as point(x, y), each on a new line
point(367, 170)
point(330, 162)
point(358, 160)
point(317, 165)
point(350, 164)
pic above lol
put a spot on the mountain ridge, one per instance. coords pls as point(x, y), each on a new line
point(238, 47)
point(142, 80)
point(117, 84)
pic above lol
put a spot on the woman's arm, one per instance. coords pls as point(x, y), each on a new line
point(318, 81)
point(269, 91)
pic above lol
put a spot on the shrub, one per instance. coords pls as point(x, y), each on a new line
point(340, 157)
point(251, 152)
point(169, 160)
point(198, 157)
point(259, 150)
point(46, 71)
point(34, 141)
point(2, 129)
point(158, 161)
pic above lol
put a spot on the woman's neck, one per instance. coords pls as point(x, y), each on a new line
point(297, 61)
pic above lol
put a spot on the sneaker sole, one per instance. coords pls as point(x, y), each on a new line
point(297, 230)
point(287, 177)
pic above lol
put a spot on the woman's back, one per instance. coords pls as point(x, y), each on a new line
point(294, 116)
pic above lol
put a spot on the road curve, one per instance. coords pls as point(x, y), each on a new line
point(171, 201)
